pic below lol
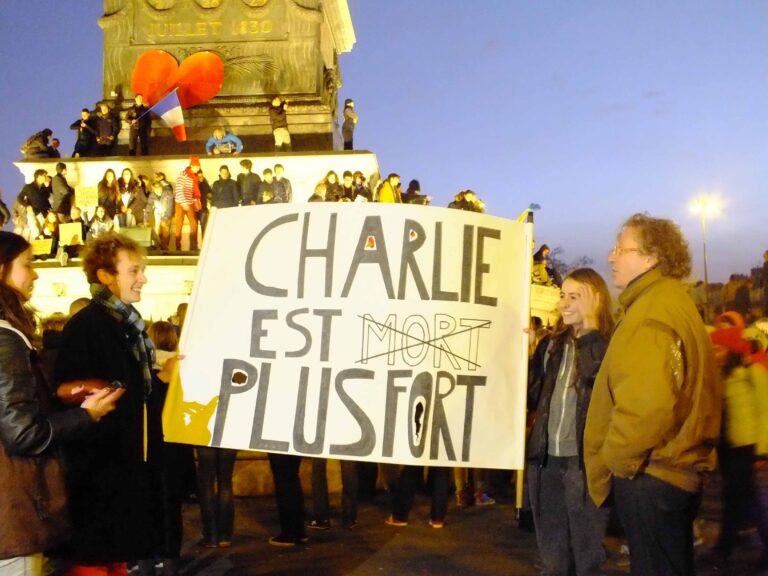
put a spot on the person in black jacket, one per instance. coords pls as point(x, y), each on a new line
point(140, 125)
point(224, 193)
point(569, 527)
point(37, 193)
point(32, 499)
point(86, 134)
point(114, 474)
point(107, 125)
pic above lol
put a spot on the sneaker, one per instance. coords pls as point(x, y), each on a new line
point(482, 499)
point(282, 541)
point(319, 524)
point(392, 521)
point(436, 523)
point(225, 543)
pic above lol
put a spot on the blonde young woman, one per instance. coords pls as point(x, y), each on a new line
point(569, 527)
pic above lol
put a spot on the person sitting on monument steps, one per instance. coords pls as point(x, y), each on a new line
point(333, 189)
point(188, 203)
point(319, 193)
point(140, 125)
point(278, 118)
point(160, 212)
point(285, 190)
point(37, 193)
point(206, 193)
point(348, 186)
point(388, 193)
point(131, 201)
point(63, 194)
point(100, 224)
point(108, 191)
point(413, 194)
point(467, 200)
point(361, 187)
point(248, 183)
point(223, 142)
point(53, 151)
point(37, 145)
point(268, 188)
point(86, 134)
point(224, 190)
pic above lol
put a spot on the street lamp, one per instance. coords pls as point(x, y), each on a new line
point(707, 207)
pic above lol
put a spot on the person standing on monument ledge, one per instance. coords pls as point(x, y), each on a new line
point(388, 193)
point(140, 123)
point(279, 120)
point(350, 120)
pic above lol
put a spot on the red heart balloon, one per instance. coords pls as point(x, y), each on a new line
point(154, 75)
point(198, 79)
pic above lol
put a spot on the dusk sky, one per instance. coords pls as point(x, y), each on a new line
point(593, 109)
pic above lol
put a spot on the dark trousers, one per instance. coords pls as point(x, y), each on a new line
point(175, 488)
point(320, 504)
point(410, 478)
point(569, 527)
point(290, 499)
point(658, 521)
point(135, 134)
point(214, 479)
point(348, 144)
point(740, 498)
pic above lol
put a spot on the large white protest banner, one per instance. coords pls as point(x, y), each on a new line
point(388, 333)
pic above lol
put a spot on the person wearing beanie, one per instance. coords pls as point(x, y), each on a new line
point(187, 197)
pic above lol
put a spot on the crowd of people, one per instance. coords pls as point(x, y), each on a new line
point(155, 203)
point(624, 416)
point(98, 131)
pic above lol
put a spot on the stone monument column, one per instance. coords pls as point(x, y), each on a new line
point(269, 47)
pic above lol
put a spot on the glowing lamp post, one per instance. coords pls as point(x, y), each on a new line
point(707, 207)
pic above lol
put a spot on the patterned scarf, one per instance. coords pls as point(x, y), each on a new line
point(142, 347)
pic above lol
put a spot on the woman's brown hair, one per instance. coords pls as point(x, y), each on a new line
point(589, 277)
point(12, 303)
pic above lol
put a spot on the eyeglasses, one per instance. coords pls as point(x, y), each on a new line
point(616, 251)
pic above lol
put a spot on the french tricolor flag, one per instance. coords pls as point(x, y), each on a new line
point(169, 109)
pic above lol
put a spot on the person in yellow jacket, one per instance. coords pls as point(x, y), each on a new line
point(389, 191)
point(745, 435)
point(654, 418)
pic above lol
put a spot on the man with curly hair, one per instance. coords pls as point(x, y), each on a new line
point(654, 419)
